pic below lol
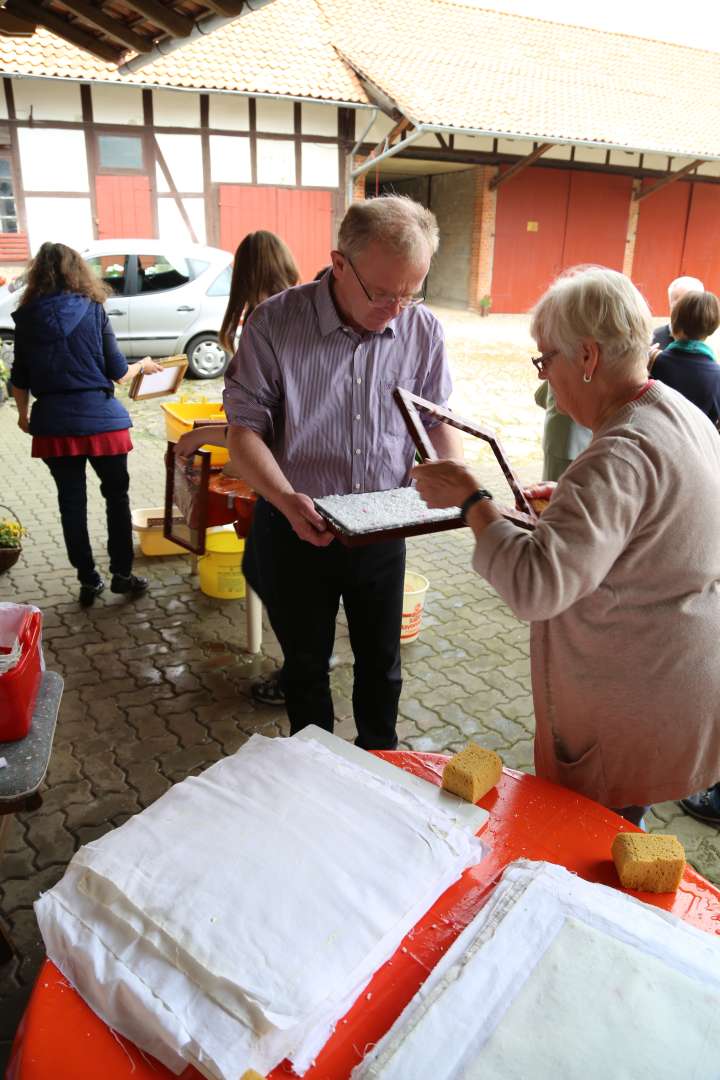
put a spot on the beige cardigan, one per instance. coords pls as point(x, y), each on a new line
point(621, 582)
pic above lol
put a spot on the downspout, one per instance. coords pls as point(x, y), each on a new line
point(201, 29)
point(371, 162)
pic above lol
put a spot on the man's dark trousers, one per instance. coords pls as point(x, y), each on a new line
point(301, 586)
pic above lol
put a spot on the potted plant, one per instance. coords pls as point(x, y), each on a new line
point(485, 305)
point(11, 536)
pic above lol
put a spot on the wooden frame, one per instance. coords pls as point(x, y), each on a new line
point(186, 500)
point(523, 513)
point(144, 385)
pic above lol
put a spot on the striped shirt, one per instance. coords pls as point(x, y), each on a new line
point(320, 395)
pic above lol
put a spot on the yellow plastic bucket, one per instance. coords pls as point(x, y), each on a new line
point(413, 602)
point(180, 416)
point(220, 568)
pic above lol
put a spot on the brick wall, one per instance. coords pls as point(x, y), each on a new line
point(484, 202)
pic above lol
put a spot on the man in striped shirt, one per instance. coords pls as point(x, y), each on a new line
point(308, 397)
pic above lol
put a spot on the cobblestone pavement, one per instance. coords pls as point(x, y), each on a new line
point(158, 688)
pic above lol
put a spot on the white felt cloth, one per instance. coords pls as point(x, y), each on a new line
point(373, 511)
point(235, 920)
point(557, 978)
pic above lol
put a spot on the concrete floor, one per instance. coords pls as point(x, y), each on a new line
point(159, 688)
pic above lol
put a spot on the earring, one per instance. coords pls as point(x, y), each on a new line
point(587, 378)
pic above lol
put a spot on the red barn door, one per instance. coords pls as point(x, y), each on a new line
point(597, 218)
point(302, 218)
point(701, 256)
point(659, 243)
point(123, 207)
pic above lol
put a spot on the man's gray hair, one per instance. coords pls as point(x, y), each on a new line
point(396, 221)
point(597, 303)
point(682, 285)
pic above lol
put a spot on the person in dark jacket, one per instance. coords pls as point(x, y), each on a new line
point(688, 365)
point(662, 335)
point(67, 358)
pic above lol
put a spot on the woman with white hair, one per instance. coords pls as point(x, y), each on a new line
point(620, 579)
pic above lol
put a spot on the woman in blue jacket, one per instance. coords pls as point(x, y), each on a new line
point(67, 358)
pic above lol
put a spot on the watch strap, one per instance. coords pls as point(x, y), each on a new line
point(481, 493)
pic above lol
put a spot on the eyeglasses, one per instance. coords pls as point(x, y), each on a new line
point(381, 299)
point(542, 362)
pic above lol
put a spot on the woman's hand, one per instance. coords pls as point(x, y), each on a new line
point(24, 424)
point(148, 366)
point(191, 441)
point(543, 490)
point(444, 483)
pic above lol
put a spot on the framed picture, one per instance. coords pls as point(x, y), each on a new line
point(160, 383)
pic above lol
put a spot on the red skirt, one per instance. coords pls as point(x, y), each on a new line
point(106, 444)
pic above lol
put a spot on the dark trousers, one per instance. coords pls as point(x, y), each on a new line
point(69, 476)
point(301, 586)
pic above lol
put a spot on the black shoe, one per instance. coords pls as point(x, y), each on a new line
point(130, 584)
point(705, 806)
point(89, 592)
point(270, 690)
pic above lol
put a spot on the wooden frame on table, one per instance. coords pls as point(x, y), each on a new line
point(186, 500)
point(409, 404)
point(148, 385)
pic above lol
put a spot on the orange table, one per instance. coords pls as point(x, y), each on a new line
point(60, 1038)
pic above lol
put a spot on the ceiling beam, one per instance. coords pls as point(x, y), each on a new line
point(641, 194)
point(69, 31)
point(520, 166)
point(164, 16)
point(15, 26)
point(112, 27)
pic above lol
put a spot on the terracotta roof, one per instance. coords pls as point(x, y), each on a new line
point(284, 48)
point(455, 65)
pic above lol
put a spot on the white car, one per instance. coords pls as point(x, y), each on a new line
point(167, 299)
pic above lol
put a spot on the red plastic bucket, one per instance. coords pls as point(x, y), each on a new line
point(19, 686)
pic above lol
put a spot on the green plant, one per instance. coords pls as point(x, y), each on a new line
point(486, 302)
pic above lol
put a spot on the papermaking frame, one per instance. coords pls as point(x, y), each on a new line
point(178, 481)
point(180, 363)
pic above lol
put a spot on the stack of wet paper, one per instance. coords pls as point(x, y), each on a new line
point(235, 921)
point(555, 979)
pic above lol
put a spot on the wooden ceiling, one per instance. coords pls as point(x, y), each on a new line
point(116, 29)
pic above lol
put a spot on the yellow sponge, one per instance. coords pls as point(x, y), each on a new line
point(250, 1074)
point(649, 862)
point(471, 773)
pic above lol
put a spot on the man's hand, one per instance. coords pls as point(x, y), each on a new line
point(444, 483)
point(304, 518)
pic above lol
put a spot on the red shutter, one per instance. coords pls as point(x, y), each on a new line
point(123, 207)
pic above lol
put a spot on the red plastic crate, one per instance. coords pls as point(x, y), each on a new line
point(19, 686)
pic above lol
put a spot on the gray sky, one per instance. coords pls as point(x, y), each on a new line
point(694, 22)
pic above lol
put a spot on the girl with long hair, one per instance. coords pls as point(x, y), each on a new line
point(67, 358)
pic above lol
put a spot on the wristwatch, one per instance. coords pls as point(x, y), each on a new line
point(481, 493)
point(141, 368)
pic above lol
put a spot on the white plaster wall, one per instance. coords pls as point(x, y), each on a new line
point(677, 163)
point(230, 159)
point(229, 111)
point(383, 124)
point(275, 116)
point(656, 161)
point(709, 168)
point(427, 140)
point(64, 221)
point(171, 225)
point(520, 147)
point(50, 99)
point(558, 153)
point(320, 167)
point(473, 142)
point(593, 155)
point(176, 108)
point(624, 157)
point(276, 161)
point(3, 104)
point(183, 157)
point(116, 104)
point(319, 119)
point(53, 159)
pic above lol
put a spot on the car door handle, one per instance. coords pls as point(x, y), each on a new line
point(116, 312)
point(185, 307)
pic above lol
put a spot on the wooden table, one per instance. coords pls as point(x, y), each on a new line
point(60, 1038)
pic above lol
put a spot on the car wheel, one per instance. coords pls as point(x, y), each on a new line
point(206, 357)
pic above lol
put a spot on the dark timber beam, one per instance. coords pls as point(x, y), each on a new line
point(112, 27)
point(638, 196)
point(164, 16)
point(15, 26)
point(69, 31)
point(520, 166)
point(226, 7)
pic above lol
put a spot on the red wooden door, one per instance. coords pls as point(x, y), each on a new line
point(597, 218)
point(529, 236)
point(123, 206)
point(659, 243)
point(701, 255)
point(302, 218)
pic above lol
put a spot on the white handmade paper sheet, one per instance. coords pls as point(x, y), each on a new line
point(557, 978)
point(244, 911)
